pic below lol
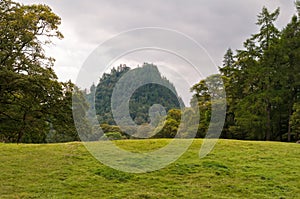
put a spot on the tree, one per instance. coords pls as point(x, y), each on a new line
point(208, 94)
point(230, 74)
point(32, 101)
point(297, 4)
point(168, 128)
point(290, 48)
point(256, 64)
point(268, 32)
point(295, 121)
point(69, 107)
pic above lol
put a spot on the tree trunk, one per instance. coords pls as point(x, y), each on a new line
point(20, 135)
point(289, 130)
point(289, 124)
point(268, 125)
point(21, 131)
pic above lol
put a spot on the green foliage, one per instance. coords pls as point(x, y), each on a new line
point(168, 126)
point(148, 95)
point(104, 92)
point(169, 129)
point(261, 82)
point(112, 136)
point(33, 103)
point(295, 121)
point(141, 100)
point(268, 32)
point(297, 4)
point(208, 92)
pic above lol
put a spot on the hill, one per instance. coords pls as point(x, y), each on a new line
point(235, 169)
point(158, 90)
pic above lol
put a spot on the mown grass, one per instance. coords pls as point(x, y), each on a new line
point(234, 169)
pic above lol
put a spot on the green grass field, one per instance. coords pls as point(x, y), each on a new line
point(234, 169)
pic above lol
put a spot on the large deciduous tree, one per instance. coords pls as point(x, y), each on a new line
point(32, 101)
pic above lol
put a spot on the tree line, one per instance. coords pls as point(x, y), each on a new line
point(262, 83)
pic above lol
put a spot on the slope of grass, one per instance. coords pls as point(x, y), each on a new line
point(234, 169)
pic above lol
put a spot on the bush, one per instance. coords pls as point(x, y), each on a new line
point(112, 136)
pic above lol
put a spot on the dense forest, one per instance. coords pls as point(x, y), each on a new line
point(143, 97)
point(262, 84)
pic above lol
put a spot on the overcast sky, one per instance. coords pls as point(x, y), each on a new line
point(214, 24)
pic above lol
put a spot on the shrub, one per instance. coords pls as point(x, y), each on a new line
point(112, 136)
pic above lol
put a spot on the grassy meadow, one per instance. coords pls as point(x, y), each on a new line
point(234, 169)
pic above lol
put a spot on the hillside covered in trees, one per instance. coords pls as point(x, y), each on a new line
point(152, 101)
point(161, 91)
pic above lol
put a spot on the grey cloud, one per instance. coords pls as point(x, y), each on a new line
point(216, 24)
